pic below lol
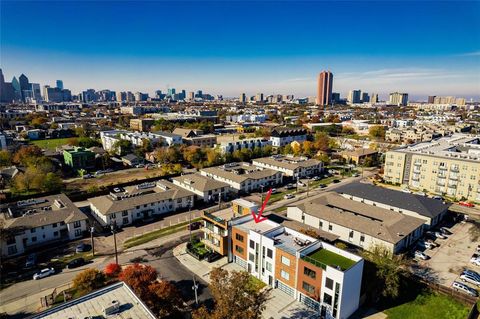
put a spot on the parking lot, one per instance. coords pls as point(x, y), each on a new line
point(450, 258)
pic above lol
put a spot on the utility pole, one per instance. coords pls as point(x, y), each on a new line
point(297, 182)
point(112, 227)
point(190, 217)
point(91, 240)
point(262, 186)
point(195, 288)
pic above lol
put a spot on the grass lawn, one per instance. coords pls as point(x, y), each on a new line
point(429, 306)
point(329, 258)
point(145, 238)
point(50, 144)
point(199, 247)
point(256, 283)
point(62, 262)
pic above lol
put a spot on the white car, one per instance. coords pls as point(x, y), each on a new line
point(475, 260)
point(316, 178)
point(471, 273)
point(426, 244)
point(440, 235)
point(421, 255)
point(469, 278)
point(288, 196)
point(274, 190)
point(464, 288)
point(44, 273)
point(300, 183)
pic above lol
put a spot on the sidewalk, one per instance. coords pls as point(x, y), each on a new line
point(279, 304)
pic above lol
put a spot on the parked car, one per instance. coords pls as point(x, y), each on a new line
point(194, 225)
point(288, 196)
point(336, 181)
point(469, 278)
point(466, 204)
point(300, 183)
point(437, 197)
point(471, 273)
point(81, 248)
point(31, 261)
point(420, 194)
point(139, 166)
point(421, 255)
point(289, 186)
point(43, 273)
point(439, 234)
point(274, 190)
point(76, 263)
point(464, 288)
point(475, 260)
point(355, 175)
point(316, 178)
point(426, 244)
point(87, 176)
point(322, 186)
point(445, 231)
point(406, 191)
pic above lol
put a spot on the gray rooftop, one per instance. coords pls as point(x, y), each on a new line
point(422, 205)
point(93, 305)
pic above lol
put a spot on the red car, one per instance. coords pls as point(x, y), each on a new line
point(466, 204)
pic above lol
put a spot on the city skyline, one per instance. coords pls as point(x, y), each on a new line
point(252, 51)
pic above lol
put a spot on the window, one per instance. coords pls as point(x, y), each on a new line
point(310, 273)
point(34, 239)
point(62, 223)
point(285, 275)
point(239, 237)
point(252, 244)
point(10, 240)
point(55, 233)
point(285, 261)
point(330, 227)
point(125, 220)
point(320, 224)
point(33, 230)
point(308, 288)
point(269, 253)
point(362, 239)
point(12, 250)
point(239, 249)
point(329, 283)
point(78, 232)
point(54, 225)
point(124, 213)
point(268, 266)
point(76, 224)
point(327, 299)
point(251, 257)
point(350, 235)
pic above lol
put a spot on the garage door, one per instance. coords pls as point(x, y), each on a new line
point(242, 263)
point(286, 289)
point(309, 302)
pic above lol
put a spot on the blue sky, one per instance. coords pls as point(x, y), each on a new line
point(420, 47)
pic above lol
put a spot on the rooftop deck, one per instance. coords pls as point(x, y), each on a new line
point(323, 258)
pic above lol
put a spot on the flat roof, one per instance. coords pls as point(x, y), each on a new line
point(93, 305)
point(260, 228)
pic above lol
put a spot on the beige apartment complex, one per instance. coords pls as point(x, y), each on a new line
point(449, 166)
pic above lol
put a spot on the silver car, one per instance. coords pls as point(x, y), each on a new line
point(464, 288)
point(469, 278)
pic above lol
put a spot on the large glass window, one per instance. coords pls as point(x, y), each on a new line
point(309, 272)
point(309, 288)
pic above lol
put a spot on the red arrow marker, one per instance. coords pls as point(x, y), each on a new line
point(258, 218)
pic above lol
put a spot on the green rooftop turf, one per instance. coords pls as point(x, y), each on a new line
point(331, 259)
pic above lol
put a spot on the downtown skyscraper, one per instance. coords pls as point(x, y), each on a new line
point(324, 88)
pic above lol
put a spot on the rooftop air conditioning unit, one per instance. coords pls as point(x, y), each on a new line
point(112, 309)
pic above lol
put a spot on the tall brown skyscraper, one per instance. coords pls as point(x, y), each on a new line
point(324, 89)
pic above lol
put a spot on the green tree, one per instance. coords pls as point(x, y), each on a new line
point(52, 182)
point(5, 158)
point(235, 297)
point(122, 147)
point(89, 280)
point(377, 132)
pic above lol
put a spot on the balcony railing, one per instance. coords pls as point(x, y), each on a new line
point(454, 169)
point(314, 262)
point(417, 164)
point(215, 218)
point(443, 168)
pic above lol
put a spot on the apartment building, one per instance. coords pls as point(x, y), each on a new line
point(248, 143)
point(432, 211)
point(217, 225)
point(281, 136)
point(141, 125)
point(196, 137)
point(291, 166)
point(357, 223)
point(39, 221)
point(206, 188)
point(317, 274)
point(449, 166)
point(243, 177)
point(124, 206)
point(109, 138)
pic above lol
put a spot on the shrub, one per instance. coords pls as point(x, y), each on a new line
point(112, 270)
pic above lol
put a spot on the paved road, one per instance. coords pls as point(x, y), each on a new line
point(24, 297)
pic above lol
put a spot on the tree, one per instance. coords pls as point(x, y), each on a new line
point(348, 130)
point(52, 182)
point(308, 149)
point(389, 268)
point(164, 299)
point(322, 142)
point(5, 158)
point(235, 295)
point(138, 277)
point(89, 280)
point(26, 153)
point(112, 270)
point(377, 132)
point(122, 147)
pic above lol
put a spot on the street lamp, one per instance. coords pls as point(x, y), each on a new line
point(92, 229)
point(112, 228)
point(195, 288)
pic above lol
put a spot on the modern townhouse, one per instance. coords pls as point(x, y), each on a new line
point(217, 225)
point(196, 137)
point(40, 221)
point(315, 273)
point(126, 205)
point(432, 211)
point(205, 188)
point(291, 166)
point(449, 166)
point(243, 177)
point(357, 223)
point(248, 143)
point(281, 136)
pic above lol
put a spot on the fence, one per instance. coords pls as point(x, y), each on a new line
point(463, 298)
